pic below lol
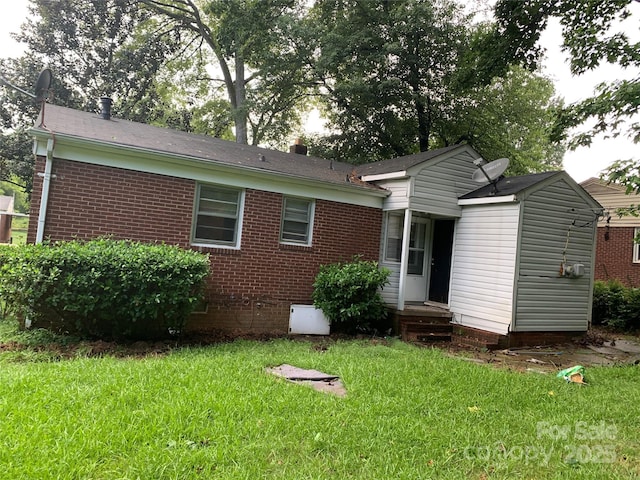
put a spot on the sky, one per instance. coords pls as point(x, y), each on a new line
point(583, 163)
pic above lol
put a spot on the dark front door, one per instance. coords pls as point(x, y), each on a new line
point(441, 251)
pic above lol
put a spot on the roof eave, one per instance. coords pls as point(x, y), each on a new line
point(180, 158)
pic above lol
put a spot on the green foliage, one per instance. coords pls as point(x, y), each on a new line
point(13, 188)
point(591, 39)
point(615, 305)
point(408, 76)
point(103, 288)
point(348, 293)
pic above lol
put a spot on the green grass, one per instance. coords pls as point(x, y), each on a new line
point(410, 413)
point(19, 226)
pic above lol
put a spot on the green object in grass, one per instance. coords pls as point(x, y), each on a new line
point(572, 374)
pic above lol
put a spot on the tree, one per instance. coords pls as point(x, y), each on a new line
point(511, 117)
point(401, 77)
point(92, 49)
point(251, 43)
point(591, 40)
point(155, 59)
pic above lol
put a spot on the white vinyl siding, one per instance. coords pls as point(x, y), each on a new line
point(556, 221)
point(390, 291)
point(484, 265)
point(399, 197)
point(217, 216)
point(297, 221)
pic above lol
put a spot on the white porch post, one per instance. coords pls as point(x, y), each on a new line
point(404, 258)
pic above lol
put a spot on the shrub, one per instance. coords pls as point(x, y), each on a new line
point(615, 305)
point(104, 287)
point(348, 294)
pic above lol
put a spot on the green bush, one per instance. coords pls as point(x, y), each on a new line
point(103, 288)
point(348, 294)
point(615, 305)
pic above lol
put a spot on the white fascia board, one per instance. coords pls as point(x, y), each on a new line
point(487, 200)
point(384, 176)
point(149, 161)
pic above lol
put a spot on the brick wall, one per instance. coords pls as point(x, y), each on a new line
point(614, 257)
point(250, 289)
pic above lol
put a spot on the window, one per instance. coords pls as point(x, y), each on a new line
point(417, 248)
point(297, 221)
point(636, 246)
point(218, 214)
point(393, 241)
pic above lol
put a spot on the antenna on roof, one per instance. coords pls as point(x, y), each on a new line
point(489, 172)
point(42, 86)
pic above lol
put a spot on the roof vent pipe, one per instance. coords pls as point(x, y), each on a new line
point(105, 107)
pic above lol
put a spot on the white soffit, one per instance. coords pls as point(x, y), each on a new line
point(487, 200)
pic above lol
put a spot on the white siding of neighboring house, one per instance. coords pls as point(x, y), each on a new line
point(545, 300)
point(437, 187)
point(484, 265)
point(612, 197)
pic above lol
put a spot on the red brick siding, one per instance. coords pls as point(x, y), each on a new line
point(614, 257)
point(88, 201)
point(251, 288)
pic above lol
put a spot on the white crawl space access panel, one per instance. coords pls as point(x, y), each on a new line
point(308, 320)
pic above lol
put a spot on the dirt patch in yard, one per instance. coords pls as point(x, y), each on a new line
point(597, 348)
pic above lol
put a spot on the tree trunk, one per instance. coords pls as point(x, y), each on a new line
point(240, 111)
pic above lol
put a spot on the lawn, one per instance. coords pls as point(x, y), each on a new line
point(19, 226)
point(213, 412)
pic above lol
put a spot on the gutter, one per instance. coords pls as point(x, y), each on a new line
point(46, 182)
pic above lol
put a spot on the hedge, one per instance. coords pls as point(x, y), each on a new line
point(103, 288)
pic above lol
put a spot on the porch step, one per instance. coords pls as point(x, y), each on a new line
point(426, 330)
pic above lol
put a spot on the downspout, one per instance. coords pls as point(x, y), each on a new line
point(404, 258)
point(46, 182)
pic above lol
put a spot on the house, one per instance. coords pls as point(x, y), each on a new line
point(617, 255)
point(6, 215)
point(269, 219)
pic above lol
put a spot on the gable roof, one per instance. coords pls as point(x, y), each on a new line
point(402, 164)
point(509, 185)
point(596, 186)
point(517, 188)
point(76, 125)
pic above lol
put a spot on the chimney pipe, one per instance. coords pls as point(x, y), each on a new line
point(105, 108)
point(298, 147)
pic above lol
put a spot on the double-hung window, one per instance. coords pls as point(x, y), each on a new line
point(636, 245)
point(218, 216)
point(297, 221)
point(393, 237)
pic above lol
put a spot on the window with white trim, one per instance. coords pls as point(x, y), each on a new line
point(636, 245)
point(297, 221)
point(393, 237)
point(217, 216)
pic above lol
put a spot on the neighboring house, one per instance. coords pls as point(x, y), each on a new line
point(617, 255)
point(6, 215)
point(269, 219)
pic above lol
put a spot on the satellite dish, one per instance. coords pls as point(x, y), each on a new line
point(42, 85)
point(490, 171)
